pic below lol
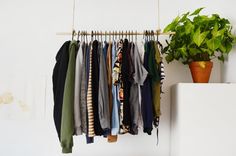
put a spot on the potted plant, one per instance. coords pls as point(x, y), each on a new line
point(197, 40)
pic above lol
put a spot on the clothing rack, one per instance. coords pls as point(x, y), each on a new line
point(157, 32)
point(115, 33)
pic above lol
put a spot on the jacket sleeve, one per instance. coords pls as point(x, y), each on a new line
point(59, 76)
point(67, 122)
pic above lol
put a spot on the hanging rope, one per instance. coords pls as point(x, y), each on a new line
point(158, 14)
point(73, 20)
point(73, 33)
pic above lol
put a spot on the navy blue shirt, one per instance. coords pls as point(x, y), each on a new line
point(146, 92)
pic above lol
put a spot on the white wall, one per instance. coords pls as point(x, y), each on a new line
point(28, 45)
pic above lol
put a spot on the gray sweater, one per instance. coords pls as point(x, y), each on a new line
point(139, 76)
point(103, 99)
point(78, 77)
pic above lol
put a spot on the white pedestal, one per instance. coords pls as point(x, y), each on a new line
point(228, 68)
point(203, 120)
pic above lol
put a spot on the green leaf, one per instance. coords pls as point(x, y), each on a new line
point(172, 25)
point(223, 21)
point(215, 15)
point(194, 51)
point(169, 58)
point(228, 47)
point(188, 27)
point(208, 51)
point(213, 43)
point(199, 37)
point(231, 36)
point(182, 51)
point(222, 48)
point(215, 29)
point(177, 55)
point(218, 33)
point(184, 17)
point(221, 58)
point(197, 11)
point(168, 27)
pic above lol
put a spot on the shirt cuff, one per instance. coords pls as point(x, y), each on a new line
point(67, 150)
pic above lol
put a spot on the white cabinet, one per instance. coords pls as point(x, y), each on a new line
point(228, 69)
point(203, 119)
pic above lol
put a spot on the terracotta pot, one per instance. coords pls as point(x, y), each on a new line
point(201, 71)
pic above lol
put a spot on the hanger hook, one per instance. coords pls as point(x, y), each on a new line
point(73, 34)
point(113, 35)
point(109, 36)
point(116, 35)
point(105, 35)
point(129, 34)
point(101, 35)
point(78, 35)
point(157, 35)
point(82, 35)
point(95, 35)
point(146, 33)
point(132, 36)
point(86, 36)
point(143, 33)
point(151, 35)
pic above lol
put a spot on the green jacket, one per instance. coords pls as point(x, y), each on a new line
point(154, 71)
point(67, 120)
point(156, 88)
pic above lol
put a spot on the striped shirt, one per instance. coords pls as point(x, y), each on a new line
point(90, 100)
